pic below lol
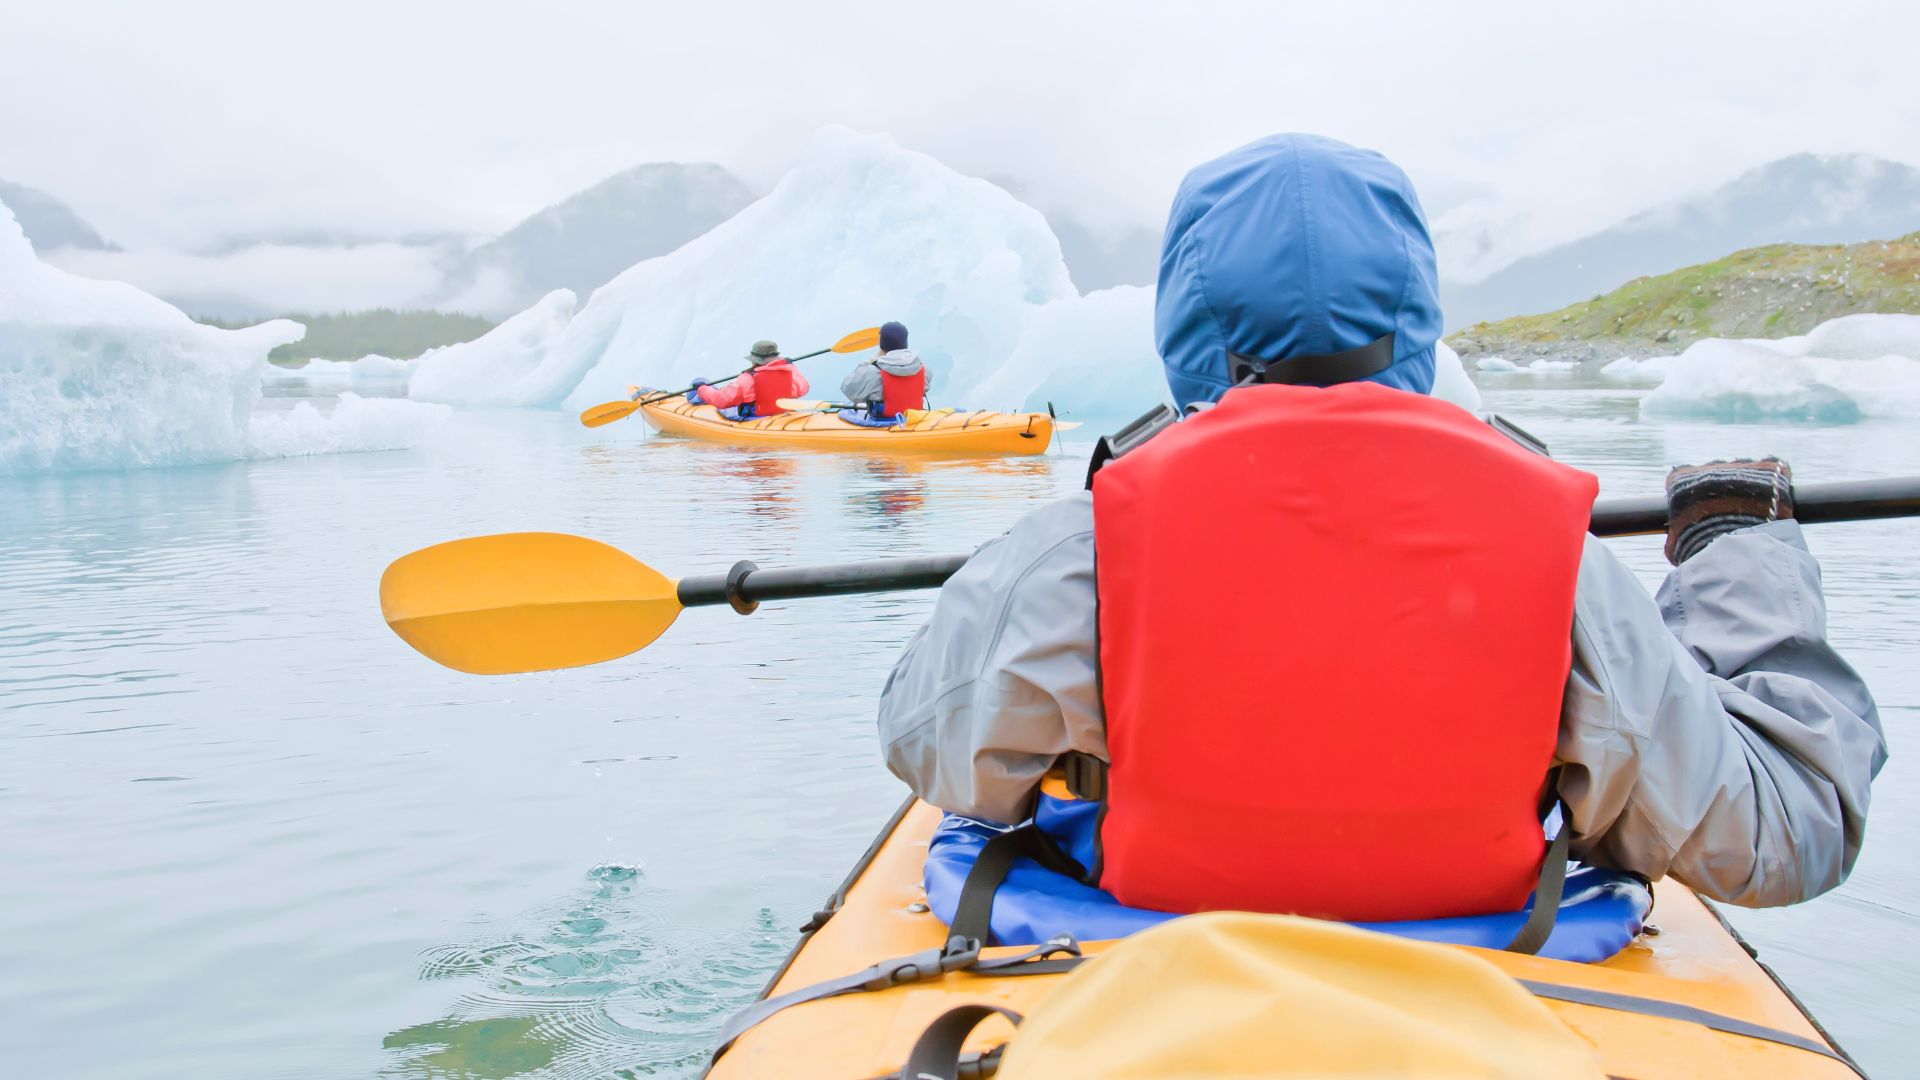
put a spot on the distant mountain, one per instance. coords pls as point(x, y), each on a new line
point(582, 242)
point(48, 222)
point(1767, 292)
point(1806, 199)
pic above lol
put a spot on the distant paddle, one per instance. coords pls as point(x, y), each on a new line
point(608, 411)
point(519, 602)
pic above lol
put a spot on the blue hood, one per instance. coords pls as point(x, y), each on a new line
point(1295, 245)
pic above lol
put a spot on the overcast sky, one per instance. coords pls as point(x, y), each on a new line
point(170, 124)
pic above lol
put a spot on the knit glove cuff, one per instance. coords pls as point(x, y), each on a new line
point(1706, 502)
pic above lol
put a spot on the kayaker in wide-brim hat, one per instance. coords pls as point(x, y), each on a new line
point(757, 391)
point(1345, 636)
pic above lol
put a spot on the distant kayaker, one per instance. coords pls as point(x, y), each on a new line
point(1325, 664)
point(894, 380)
point(756, 392)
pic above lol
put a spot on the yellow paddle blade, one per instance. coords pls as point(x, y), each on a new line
point(607, 412)
point(1066, 425)
point(517, 602)
point(858, 340)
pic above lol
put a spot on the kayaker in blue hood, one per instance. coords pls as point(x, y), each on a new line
point(1714, 736)
point(1295, 246)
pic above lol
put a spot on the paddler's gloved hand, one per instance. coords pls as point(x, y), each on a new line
point(1705, 502)
point(693, 395)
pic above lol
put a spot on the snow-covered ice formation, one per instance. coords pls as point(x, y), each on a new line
point(99, 375)
point(1496, 364)
point(494, 368)
point(1846, 369)
point(859, 232)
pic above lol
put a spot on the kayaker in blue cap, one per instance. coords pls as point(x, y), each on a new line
point(893, 381)
point(1346, 642)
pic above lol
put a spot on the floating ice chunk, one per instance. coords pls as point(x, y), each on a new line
point(1750, 380)
point(1863, 337)
point(1496, 363)
point(370, 370)
point(354, 424)
point(1093, 356)
point(99, 375)
point(1552, 367)
point(1450, 382)
point(495, 368)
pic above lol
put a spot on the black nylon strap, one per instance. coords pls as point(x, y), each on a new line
point(1670, 1010)
point(1547, 894)
point(971, 921)
point(973, 913)
point(936, 1054)
point(958, 953)
point(1350, 366)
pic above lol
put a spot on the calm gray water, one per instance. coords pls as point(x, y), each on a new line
point(245, 832)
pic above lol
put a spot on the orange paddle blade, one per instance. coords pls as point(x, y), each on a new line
point(518, 602)
point(607, 412)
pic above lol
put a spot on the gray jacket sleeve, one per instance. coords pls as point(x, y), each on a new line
point(862, 384)
point(1717, 737)
point(1002, 679)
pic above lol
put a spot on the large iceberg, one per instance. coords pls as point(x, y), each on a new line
point(1846, 369)
point(859, 232)
point(98, 375)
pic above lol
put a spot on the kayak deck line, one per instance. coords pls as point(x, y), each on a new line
point(938, 431)
point(1693, 963)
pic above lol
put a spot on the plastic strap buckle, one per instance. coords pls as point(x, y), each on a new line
point(1086, 775)
point(959, 952)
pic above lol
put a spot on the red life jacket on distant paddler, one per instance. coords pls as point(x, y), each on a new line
point(1335, 630)
point(771, 382)
point(899, 393)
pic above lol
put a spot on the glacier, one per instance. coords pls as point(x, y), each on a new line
point(1846, 369)
point(100, 375)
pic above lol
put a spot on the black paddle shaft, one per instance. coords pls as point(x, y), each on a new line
point(745, 585)
point(664, 395)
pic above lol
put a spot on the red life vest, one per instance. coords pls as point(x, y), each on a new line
point(901, 392)
point(771, 382)
point(1335, 629)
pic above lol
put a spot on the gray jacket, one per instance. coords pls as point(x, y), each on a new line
point(862, 384)
point(1714, 736)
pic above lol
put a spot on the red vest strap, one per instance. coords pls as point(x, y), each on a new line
point(1334, 635)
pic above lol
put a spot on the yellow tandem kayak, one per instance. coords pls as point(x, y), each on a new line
point(1686, 1000)
point(938, 432)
